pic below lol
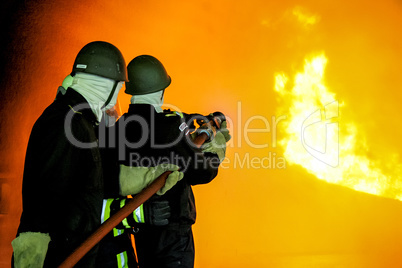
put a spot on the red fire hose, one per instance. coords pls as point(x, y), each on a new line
point(123, 213)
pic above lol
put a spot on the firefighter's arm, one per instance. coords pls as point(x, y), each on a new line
point(216, 146)
point(212, 154)
point(199, 168)
point(45, 175)
point(133, 180)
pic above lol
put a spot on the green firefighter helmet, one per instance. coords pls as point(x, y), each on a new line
point(103, 59)
point(146, 74)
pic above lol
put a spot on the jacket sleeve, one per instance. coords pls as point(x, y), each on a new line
point(203, 168)
point(111, 170)
point(59, 179)
point(198, 167)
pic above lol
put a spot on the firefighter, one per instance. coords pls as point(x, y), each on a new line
point(63, 183)
point(115, 249)
point(156, 136)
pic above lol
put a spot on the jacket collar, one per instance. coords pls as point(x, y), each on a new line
point(78, 103)
point(141, 109)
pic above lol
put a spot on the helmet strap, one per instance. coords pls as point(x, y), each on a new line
point(110, 95)
point(163, 94)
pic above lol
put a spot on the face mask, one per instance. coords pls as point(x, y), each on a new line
point(96, 90)
point(155, 99)
point(113, 99)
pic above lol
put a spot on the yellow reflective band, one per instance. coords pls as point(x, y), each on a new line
point(179, 114)
point(122, 203)
point(135, 215)
point(122, 260)
point(103, 210)
point(106, 209)
point(115, 232)
point(174, 114)
point(124, 222)
point(74, 110)
point(139, 214)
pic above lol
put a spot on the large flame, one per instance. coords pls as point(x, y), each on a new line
point(316, 139)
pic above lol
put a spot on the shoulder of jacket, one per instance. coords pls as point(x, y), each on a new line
point(175, 120)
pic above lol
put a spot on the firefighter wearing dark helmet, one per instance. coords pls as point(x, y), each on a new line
point(63, 182)
point(166, 139)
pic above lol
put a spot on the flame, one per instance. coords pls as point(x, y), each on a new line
point(312, 136)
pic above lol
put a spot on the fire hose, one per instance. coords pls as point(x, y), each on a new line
point(214, 121)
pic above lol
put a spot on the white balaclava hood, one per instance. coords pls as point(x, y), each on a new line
point(155, 99)
point(96, 90)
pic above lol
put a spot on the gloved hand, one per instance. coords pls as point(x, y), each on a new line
point(30, 249)
point(225, 131)
point(216, 146)
point(171, 181)
point(155, 212)
point(134, 179)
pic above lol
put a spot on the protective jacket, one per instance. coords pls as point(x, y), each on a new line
point(153, 138)
point(63, 183)
point(144, 137)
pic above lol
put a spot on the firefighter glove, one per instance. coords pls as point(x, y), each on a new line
point(30, 249)
point(155, 212)
point(134, 179)
point(216, 146)
point(225, 131)
point(171, 180)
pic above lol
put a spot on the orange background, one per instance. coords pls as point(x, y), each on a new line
point(220, 54)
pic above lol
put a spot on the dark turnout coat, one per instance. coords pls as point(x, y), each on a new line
point(63, 182)
point(153, 138)
point(143, 137)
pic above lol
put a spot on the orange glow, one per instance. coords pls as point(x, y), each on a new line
point(271, 204)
